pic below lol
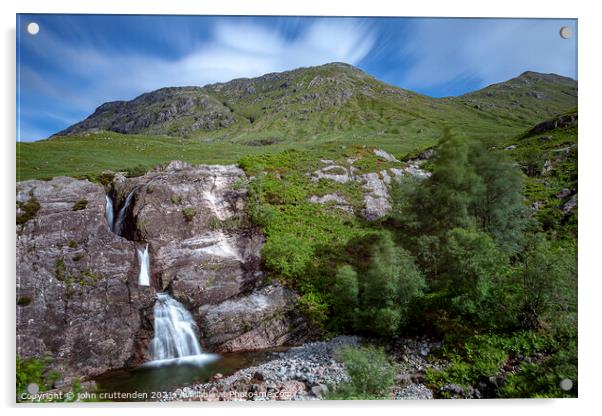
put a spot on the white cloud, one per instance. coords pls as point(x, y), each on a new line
point(88, 76)
point(491, 50)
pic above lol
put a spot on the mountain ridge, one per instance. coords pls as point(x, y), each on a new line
point(334, 97)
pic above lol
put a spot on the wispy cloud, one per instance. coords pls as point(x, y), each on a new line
point(79, 77)
point(77, 63)
point(485, 51)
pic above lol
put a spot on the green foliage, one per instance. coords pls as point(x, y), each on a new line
point(372, 375)
point(72, 244)
point(80, 204)
point(471, 186)
point(345, 295)
point(546, 280)
point(34, 370)
point(138, 170)
point(188, 213)
point(29, 209)
point(480, 357)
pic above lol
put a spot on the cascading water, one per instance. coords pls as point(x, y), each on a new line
point(109, 212)
point(175, 334)
point(118, 225)
point(144, 260)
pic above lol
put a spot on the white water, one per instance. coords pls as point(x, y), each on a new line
point(118, 226)
point(175, 336)
point(144, 260)
point(109, 212)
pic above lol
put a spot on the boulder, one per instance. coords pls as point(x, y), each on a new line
point(266, 317)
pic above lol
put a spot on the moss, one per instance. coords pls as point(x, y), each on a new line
point(189, 213)
point(23, 300)
point(72, 244)
point(59, 269)
point(28, 209)
point(105, 178)
point(81, 204)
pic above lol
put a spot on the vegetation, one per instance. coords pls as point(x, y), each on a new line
point(188, 213)
point(371, 373)
point(29, 209)
point(481, 255)
point(81, 204)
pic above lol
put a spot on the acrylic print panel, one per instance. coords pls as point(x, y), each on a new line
point(295, 208)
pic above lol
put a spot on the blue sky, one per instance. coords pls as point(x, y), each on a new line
point(77, 62)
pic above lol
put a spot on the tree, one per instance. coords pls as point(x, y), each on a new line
point(498, 205)
point(547, 279)
point(386, 286)
point(470, 267)
point(471, 186)
point(345, 295)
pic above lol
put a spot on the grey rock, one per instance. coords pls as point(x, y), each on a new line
point(387, 156)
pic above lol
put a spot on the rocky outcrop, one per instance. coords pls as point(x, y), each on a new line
point(78, 296)
point(259, 320)
point(375, 185)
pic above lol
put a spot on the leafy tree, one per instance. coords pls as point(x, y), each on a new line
point(345, 294)
point(547, 279)
point(497, 205)
point(386, 283)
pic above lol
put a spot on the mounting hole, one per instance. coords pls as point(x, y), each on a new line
point(565, 32)
point(33, 28)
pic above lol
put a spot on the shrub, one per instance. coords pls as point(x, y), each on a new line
point(189, 213)
point(29, 210)
point(372, 375)
point(138, 170)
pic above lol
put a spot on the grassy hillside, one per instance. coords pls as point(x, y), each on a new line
point(328, 107)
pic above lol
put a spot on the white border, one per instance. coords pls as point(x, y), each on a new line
point(590, 139)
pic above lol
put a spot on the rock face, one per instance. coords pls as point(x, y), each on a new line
point(77, 281)
point(375, 185)
point(77, 296)
point(232, 325)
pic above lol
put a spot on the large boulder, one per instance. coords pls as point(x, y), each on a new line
point(264, 318)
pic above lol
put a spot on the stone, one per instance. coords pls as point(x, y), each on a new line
point(78, 296)
point(320, 390)
point(233, 324)
point(387, 156)
point(570, 205)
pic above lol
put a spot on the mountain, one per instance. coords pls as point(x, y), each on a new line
point(324, 109)
point(332, 98)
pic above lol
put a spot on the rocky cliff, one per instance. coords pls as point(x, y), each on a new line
point(78, 297)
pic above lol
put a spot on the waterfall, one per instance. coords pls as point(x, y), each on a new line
point(118, 226)
point(109, 212)
point(175, 334)
point(144, 260)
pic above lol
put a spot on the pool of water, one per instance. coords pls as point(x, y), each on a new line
point(169, 375)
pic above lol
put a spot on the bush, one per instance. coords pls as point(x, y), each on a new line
point(372, 375)
point(81, 204)
point(29, 210)
point(189, 213)
point(138, 170)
